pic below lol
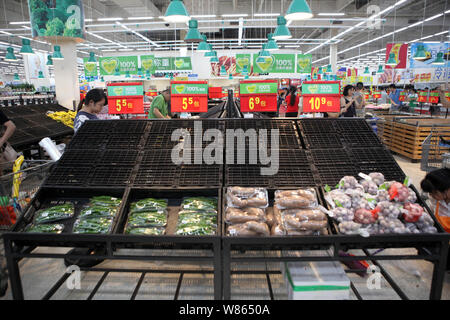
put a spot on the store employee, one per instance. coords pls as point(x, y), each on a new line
point(159, 109)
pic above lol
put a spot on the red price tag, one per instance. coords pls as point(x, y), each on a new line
point(258, 103)
point(377, 95)
point(321, 104)
point(422, 97)
point(125, 105)
point(189, 104)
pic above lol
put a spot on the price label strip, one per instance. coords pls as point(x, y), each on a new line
point(258, 96)
point(321, 96)
point(189, 96)
point(126, 98)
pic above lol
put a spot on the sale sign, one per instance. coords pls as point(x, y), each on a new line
point(434, 97)
point(321, 96)
point(423, 96)
point(402, 96)
point(258, 96)
point(125, 98)
point(400, 50)
point(189, 96)
point(377, 94)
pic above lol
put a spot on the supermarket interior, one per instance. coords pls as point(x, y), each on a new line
point(224, 150)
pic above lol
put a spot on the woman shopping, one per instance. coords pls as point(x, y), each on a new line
point(89, 107)
point(348, 103)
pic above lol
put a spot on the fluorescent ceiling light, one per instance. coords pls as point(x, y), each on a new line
point(443, 32)
point(109, 19)
point(26, 27)
point(20, 22)
point(332, 14)
point(266, 14)
point(4, 32)
point(204, 16)
point(140, 18)
point(88, 20)
point(433, 17)
point(125, 49)
point(235, 15)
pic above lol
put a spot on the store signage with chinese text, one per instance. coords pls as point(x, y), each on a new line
point(126, 98)
point(189, 96)
point(258, 96)
point(321, 96)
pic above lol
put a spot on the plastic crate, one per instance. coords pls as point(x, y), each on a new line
point(390, 171)
point(130, 127)
point(20, 137)
point(371, 155)
point(75, 158)
point(119, 157)
point(322, 141)
point(200, 176)
point(360, 139)
point(97, 127)
point(160, 141)
point(299, 176)
point(88, 141)
point(124, 141)
point(157, 157)
point(38, 131)
point(352, 125)
point(331, 175)
point(157, 176)
point(246, 176)
point(69, 176)
point(330, 156)
point(111, 176)
point(317, 125)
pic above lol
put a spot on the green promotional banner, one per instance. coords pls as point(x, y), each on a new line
point(108, 65)
point(182, 63)
point(320, 88)
point(276, 63)
point(60, 18)
point(243, 60)
point(125, 91)
point(258, 88)
point(90, 68)
point(189, 89)
point(172, 64)
point(304, 63)
point(148, 63)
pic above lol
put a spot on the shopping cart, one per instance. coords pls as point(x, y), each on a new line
point(436, 151)
point(16, 191)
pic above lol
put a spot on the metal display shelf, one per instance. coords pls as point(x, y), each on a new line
point(19, 245)
point(436, 249)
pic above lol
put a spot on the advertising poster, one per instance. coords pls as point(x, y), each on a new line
point(424, 71)
point(60, 18)
point(148, 63)
point(125, 64)
point(304, 63)
point(90, 68)
point(243, 60)
point(36, 63)
point(276, 63)
point(401, 55)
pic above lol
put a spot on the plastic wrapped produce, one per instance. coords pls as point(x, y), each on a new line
point(348, 182)
point(291, 199)
point(149, 204)
point(412, 227)
point(377, 177)
point(56, 213)
point(305, 214)
point(196, 229)
point(252, 197)
point(235, 215)
point(372, 229)
point(277, 228)
point(383, 195)
point(342, 214)
point(365, 216)
point(148, 231)
point(398, 192)
point(360, 203)
point(46, 228)
point(412, 212)
point(191, 218)
point(349, 227)
point(390, 210)
point(105, 201)
point(100, 225)
point(424, 221)
point(250, 228)
point(145, 219)
point(391, 226)
point(97, 211)
point(339, 198)
point(412, 198)
point(304, 220)
point(370, 187)
point(199, 203)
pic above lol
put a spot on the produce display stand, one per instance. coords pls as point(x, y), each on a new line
point(143, 169)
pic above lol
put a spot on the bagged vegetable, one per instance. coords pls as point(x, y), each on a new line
point(195, 229)
point(365, 216)
point(145, 219)
point(342, 214)
point(412, 212)
point(339, 198)
point(412, 198)
point(390, 210)
point(383, 195)
point(349, 227)
point(105, 201)
point(360, 203)
point(258, 198)
point(101, 225)
point(250, 228)
point(348, 182)
point(97, 211)
point(197, 219)
point(369, 187)
point(392, 226)
point(377, 178)
point(291, 199)
point(199, 203)
point(149, 204)
point(46, 228)
point(398, 192)
point(235, 215)
point(277, 228)
point(56, 213)
point(149, 231)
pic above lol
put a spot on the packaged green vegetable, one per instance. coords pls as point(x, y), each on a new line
point(199, 203)
point(150, 231)
point(197, 219)
point(56, 213)
point(46, 228)
point(105, 201)
point(141, 219)
point(209, 212)
point(195, 230)
point(100, 225)
point(97, 211)
point(149, 204)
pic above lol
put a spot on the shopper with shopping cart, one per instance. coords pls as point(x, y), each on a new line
point(7, 130)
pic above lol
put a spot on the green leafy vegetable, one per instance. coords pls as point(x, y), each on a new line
point(100, 225)
point(56, 213)
point(148, 204)
point(46, 228)
point(140, 219)
point(151, 231)
point(97, 211)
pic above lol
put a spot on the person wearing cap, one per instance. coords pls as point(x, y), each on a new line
point(159, 109)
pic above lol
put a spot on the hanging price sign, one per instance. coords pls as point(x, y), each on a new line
point(125, 98)
point(321, 96)
point(402, 96)
point(423, 96)
point(447, 95)
point(434, 97)
point(189, 96)
point(376, 94)
point(258, 96)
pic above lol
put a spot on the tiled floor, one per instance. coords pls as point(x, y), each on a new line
point(38, 276)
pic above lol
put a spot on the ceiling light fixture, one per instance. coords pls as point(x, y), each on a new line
point(299, 10)
point(176, 12)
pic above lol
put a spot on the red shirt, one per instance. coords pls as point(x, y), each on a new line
point(292, 108)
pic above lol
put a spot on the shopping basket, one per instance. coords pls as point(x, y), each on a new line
point(16, 191)
point(435, 150)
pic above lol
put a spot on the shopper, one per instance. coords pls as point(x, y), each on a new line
point(348, 103)
point(89, 107)
point(442, 89)
point(292, 101)
point(359, 95)
point(146, 98)
point(394, 97)
point(159, 109)
point(7, 130)
point(281, 99)
point(412, 98)
point(384, 96)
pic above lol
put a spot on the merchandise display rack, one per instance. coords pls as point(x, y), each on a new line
point(150, 178)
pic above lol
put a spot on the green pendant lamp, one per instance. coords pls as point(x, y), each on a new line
point(140, 72)
point(439, 59)
point(420, 53)
point(57, 55)
point(299, 10)
point(117, 72)
point(26, 48)
point(16, 77)
point(223, 71)
point(245, 70)
point(329, 69)
point(176, 12)
point(10, 56)
point(49, 60)
point(282, 32)
point(246, 77)
point(262, 55)
point(366, 70)
point(193, 35)
point(203, 46)
point(230, 77)
point(211, 53)
point(127, 74)
point(391, 61)
point(325, 77)
point(380, 69)
point(320, 71)
point(214, 59)
point(271, 44)
point(102, 79)
point(41, 75)
point(147, 74)
point(92, 57)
